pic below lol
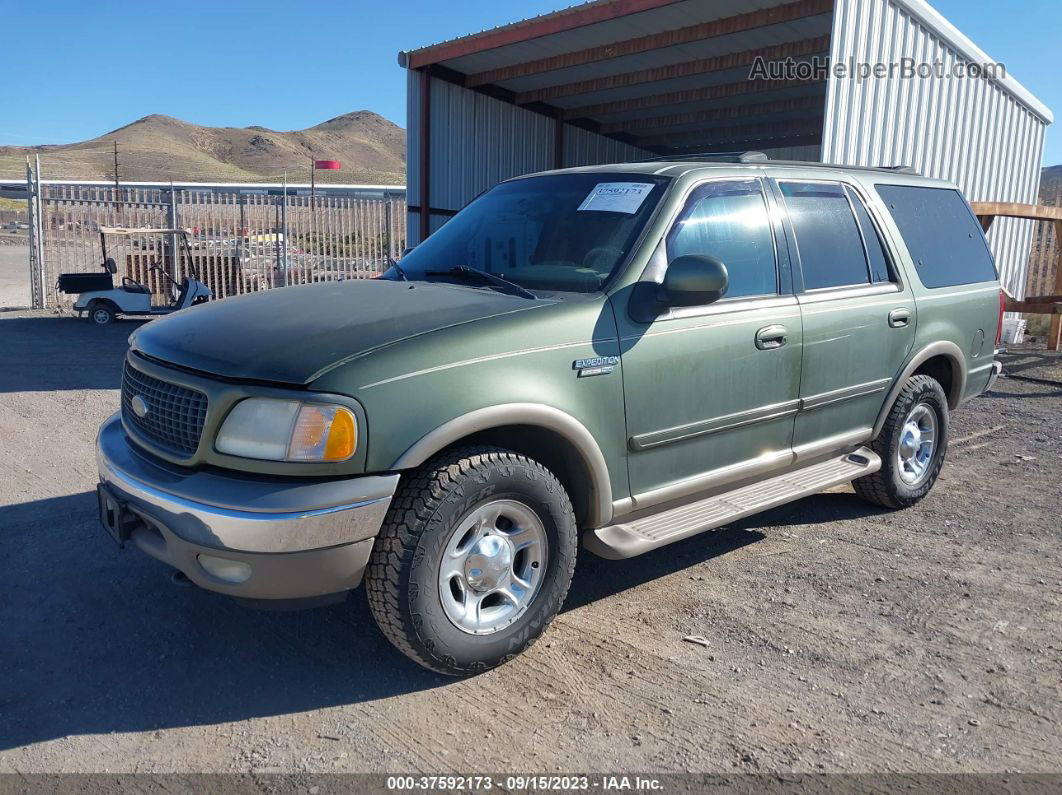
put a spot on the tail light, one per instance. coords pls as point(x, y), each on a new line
point(999, 325)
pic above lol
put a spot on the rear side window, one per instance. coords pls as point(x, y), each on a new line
point(827, 236)
point(729, 220)
point(942, 234)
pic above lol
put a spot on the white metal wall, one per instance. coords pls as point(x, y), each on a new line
point(584, 148)
point(478, 141)
point(978, 133)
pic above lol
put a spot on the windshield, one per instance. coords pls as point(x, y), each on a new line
point(566, 232)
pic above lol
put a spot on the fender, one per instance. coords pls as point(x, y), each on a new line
point(941, 348)
point(534, 414)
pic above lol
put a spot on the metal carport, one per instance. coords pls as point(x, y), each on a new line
point(618, 80)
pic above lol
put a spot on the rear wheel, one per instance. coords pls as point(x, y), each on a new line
point(102, 313)
point(473, 561)
point(912, 445)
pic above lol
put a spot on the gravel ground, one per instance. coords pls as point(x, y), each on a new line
point(14, 275)
point(840, 637)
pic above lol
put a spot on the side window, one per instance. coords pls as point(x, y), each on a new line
point(729, 221)
point(827, 236)
point(942, 234)
point(876, 256)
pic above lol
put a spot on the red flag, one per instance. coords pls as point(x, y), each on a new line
point(327, 165)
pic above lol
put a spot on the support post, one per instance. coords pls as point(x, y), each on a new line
point(38, 228)
point(36, 288)
point(1054, 334)
point(174, 250)
point(284, 228)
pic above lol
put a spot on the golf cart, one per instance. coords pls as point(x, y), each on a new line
point(103, 302)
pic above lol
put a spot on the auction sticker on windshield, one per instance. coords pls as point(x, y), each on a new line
point(617, 197)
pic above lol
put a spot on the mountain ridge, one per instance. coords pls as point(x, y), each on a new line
point(157, 148)
point(1051, 185)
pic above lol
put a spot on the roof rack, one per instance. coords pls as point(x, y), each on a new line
point(893, 169)
point(715, 157)
point(760, 157)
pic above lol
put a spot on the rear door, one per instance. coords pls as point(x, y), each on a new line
point(858, 315)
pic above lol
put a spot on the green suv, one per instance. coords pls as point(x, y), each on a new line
point(627, 354)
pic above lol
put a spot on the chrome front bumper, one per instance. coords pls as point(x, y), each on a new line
point(298, 538)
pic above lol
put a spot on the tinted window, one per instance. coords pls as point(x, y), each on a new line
point(828, 239)
point(879, 263)
point(942, 234)
point(565, 232)
point(729, 221)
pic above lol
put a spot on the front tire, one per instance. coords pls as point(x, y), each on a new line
point(912, 445)
point(473, 561)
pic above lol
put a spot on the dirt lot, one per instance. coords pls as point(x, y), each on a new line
point(841, 637)
point(14, 273)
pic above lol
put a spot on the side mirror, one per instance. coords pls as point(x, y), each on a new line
point(110, 265)
point(694, 280)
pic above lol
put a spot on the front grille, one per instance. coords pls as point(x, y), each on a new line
point(175, 414)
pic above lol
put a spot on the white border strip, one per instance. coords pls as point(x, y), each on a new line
point(952, 36)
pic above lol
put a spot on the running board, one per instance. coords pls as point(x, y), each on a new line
point(642, 535)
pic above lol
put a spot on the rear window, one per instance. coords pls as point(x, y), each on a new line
point(828, 239)
point(942, 234)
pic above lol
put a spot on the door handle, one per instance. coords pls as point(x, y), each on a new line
point(898, 318)
point(770, 337)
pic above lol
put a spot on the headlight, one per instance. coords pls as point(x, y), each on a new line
point(288, 430)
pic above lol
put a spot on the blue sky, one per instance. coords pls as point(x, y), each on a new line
point(79, 69)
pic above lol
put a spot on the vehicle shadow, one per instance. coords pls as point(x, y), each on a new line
point(100, 640)
point(597, 578)
point(58, 353)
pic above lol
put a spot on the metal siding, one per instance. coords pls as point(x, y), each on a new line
point(976, 133)
point(478, 141)
point(585, 148)
point(809, 152)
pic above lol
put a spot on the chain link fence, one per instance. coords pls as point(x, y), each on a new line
point(240, 242)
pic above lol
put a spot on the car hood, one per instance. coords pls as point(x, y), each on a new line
point(294, 335)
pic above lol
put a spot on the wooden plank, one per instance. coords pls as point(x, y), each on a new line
point(1033, 308)
point(1043, 299)
point(715, 63)
point(743, 88)
point(1033, 212)
point(738, 112)
point(548, 24)
point(724, 26)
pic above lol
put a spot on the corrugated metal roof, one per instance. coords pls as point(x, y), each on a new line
point(529, 42)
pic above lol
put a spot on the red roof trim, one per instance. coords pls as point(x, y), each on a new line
point(557, 22)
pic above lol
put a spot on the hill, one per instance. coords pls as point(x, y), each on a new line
point(158, 148)
point(1051, 185)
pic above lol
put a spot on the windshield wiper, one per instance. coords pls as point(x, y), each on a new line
point(466, 271)
point(398, 268)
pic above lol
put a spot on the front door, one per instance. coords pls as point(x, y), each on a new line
point(858, 315)
point(711, 391)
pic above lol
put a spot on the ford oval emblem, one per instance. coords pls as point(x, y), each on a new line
point(140, 406)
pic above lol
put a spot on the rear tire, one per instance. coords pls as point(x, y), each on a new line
point(912, 446)
point(102, 313)
point(473, 561)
